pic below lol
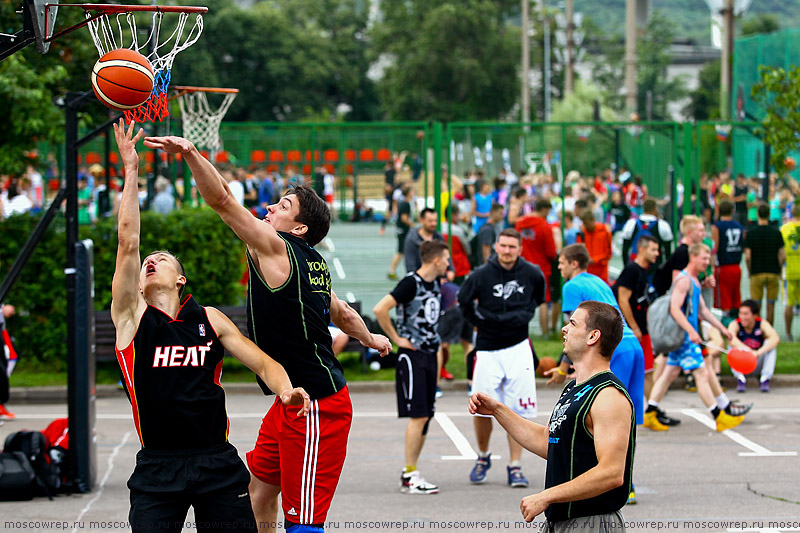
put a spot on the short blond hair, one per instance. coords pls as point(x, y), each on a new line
point(688, 221)
point(698, 248)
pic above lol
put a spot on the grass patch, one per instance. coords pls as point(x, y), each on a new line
point(31, 373)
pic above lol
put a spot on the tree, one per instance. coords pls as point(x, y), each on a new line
point(447, 60)
point(704, 100)
point(777, 93)
point(760, 23)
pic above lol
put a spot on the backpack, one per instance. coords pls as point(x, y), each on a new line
point(665, 333)
point(33, 445)
point(475, 252)
point(644, 228)
point(16, 477)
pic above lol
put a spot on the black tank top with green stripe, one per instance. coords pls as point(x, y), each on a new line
point(571, 452)
point(290, 322)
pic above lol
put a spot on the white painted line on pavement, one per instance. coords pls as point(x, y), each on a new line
point(350, 297)
point(111, 457)
point(458, 438)
point(757, 449)
point(338, 266)
point(329, 243)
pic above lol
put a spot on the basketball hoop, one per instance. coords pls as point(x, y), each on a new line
point(107, 24)
point(200, 122)
point(634, 130)
point(723, 131)
point(583, 133)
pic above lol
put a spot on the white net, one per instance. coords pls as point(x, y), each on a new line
point(200, 122)
point(108, 33)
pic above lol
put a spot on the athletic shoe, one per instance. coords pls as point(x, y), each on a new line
point(726, 421)
point(664, 419)
point(515, 477)
point(439, 392)
point(414, 483)
point(478, 473)
point(690, 384)
point(651, 422)
point(632, 498)
point(738, 410)
point(5, 414)
point(741, 385)
point(447, 376)
point(391, 275)
point(765, 386)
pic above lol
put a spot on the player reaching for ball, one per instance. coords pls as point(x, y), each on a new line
point(170, 351)
point(290, 304)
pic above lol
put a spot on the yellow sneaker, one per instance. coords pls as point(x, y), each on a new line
point(726, 421)
point(651, 422)
point(632, 498)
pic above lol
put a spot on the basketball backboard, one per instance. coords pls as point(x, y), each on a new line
point(43, 17)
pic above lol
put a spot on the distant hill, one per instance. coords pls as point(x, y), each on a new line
point(692, 18)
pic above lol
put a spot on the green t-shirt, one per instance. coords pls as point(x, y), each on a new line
point(83, 210)
point(752, 212)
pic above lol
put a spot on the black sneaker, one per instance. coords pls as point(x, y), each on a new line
point(666, 420)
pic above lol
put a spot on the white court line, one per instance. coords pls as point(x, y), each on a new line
point(111, 457)
point(338, 266)
point(757, 449)
point(329, 243)
point(458, 438)
point(350, 297)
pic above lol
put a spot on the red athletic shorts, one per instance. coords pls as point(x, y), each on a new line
point(647, 348)
point(304, 455)
point(727, 294)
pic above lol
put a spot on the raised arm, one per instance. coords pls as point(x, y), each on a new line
point(257, 234)
point(127, 304)
point(270, 371)
point(351, 323)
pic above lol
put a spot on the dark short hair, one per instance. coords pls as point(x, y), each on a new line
point(313, 212)
point(763, 211)
point(496, 207)
point(650, 206)
point(576, 252)
point(644, 240)
point(582, 203)
point(181, 270)
point(510, 232)
point(430, 250)
point(725, 208)
point(754, 306)
point(425, 211)
point(607, 320)
point(542, 204)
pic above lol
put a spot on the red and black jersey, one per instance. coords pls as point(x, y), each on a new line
point(172, 372)
point(290, 322)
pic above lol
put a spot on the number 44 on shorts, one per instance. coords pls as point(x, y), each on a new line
point(526, 403)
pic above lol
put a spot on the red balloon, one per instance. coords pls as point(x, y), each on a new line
point(743, 361)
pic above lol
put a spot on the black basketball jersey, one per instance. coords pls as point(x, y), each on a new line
point(290, 322)
point(172, 372)
point(571, 452)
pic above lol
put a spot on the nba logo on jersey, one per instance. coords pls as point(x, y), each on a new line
point(202, 330)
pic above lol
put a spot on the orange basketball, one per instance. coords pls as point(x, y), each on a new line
point(122, 79)
point(743, 361)
point(789, 162)
point(545, 364)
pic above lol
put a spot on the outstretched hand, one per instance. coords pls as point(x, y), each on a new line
point(481, 403)
point(171, 144)
point(297, 396)
point(126, 142)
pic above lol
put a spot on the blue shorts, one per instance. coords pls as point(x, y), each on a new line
point(688, 357)
point(627, 364)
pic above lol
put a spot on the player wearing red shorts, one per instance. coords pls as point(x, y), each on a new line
point(290, 303)
point(728, 237)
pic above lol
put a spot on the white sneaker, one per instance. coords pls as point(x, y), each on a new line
point(414, 483)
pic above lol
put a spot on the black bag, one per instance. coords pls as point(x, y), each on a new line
point(33, 445)
point(17, 479)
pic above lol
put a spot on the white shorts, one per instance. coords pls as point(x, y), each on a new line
point(509, 377)
point(334, 331)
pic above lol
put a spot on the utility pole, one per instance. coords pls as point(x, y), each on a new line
point(569, 61)
point(630, 56)
point(526, 63)
point(725, 66)
point(546, 63)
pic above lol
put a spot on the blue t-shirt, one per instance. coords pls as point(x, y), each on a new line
point(587, 286)
point(483, 204)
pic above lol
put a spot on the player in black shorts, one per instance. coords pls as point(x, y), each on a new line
point(170, 353)
point(591, 436)
point(418, 301)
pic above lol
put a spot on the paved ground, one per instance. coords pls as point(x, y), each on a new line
point(689, 479)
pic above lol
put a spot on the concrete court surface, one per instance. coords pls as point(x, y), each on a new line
point(688, 479)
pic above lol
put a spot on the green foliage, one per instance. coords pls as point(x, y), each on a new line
point(704, 100)
point(652, 49)
point(447, 60)
point(759, 23)
point(212, 256)
point(778, 92)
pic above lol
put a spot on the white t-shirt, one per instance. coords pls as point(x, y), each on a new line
point(237, 190)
